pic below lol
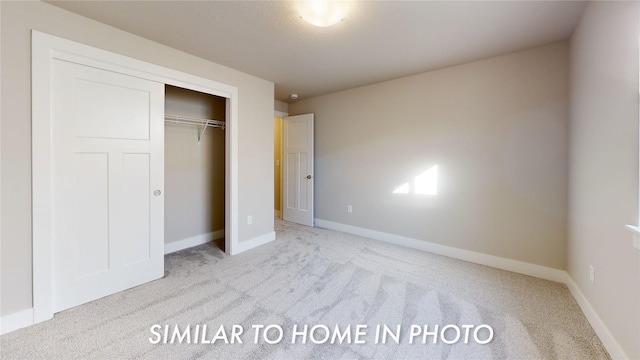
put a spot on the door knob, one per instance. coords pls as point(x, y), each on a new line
point(309, 177)
point(157, 193)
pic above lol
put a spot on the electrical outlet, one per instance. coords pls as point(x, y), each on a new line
point(249, 220)
point(349, 209)
point(592, 274)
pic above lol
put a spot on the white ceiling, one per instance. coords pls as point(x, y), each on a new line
point(377, 41)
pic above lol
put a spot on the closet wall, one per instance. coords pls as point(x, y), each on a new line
point(194, 173)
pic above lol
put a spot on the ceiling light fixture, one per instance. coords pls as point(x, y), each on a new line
point(293, 96)
point(323, 13)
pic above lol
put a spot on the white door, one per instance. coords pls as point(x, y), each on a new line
point(297, 179)
point(108, 178)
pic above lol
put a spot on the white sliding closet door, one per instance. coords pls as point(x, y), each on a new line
point(108, 179)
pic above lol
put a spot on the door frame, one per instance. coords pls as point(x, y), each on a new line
point(44, 49)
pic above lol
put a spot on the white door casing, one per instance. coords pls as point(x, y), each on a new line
point(297, 177)
point(47, 49)
point(108, 179)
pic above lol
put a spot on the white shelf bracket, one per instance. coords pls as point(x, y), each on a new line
point(204, 128)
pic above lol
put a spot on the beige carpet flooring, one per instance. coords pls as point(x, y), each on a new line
point(318, 277)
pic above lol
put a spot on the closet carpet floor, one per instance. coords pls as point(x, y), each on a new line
point(347, 290)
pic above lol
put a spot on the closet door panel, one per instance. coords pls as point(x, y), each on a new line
point(108, 179)
point(91, 204)
point(105, 109)
point(135, 217)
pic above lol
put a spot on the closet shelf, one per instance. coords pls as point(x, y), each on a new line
point(186, 120)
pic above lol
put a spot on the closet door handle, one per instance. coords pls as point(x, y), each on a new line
point(157, 193)
point(309, 177)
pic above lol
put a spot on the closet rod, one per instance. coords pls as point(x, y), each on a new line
point(186, 120)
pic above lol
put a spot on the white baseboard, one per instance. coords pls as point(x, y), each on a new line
point(609, 342)
point(538, 271)
point(24, 318)
point(15, 321)
point(520, 267)
point(255, 242)
point(192, 241)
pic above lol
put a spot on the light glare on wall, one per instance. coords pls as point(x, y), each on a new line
point(402, 189)
point(323, 13)
point(424, 184)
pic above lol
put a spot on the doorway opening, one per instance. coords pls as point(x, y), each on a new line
point(277, 165)
point(194, 154)
point(297, 179)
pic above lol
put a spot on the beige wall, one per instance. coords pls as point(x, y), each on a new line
point(194, 202)
point(604, 166)
point(497, 129)
point(255, 131)
point(281, 106)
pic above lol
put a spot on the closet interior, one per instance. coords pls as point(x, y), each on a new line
point(194, 168)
